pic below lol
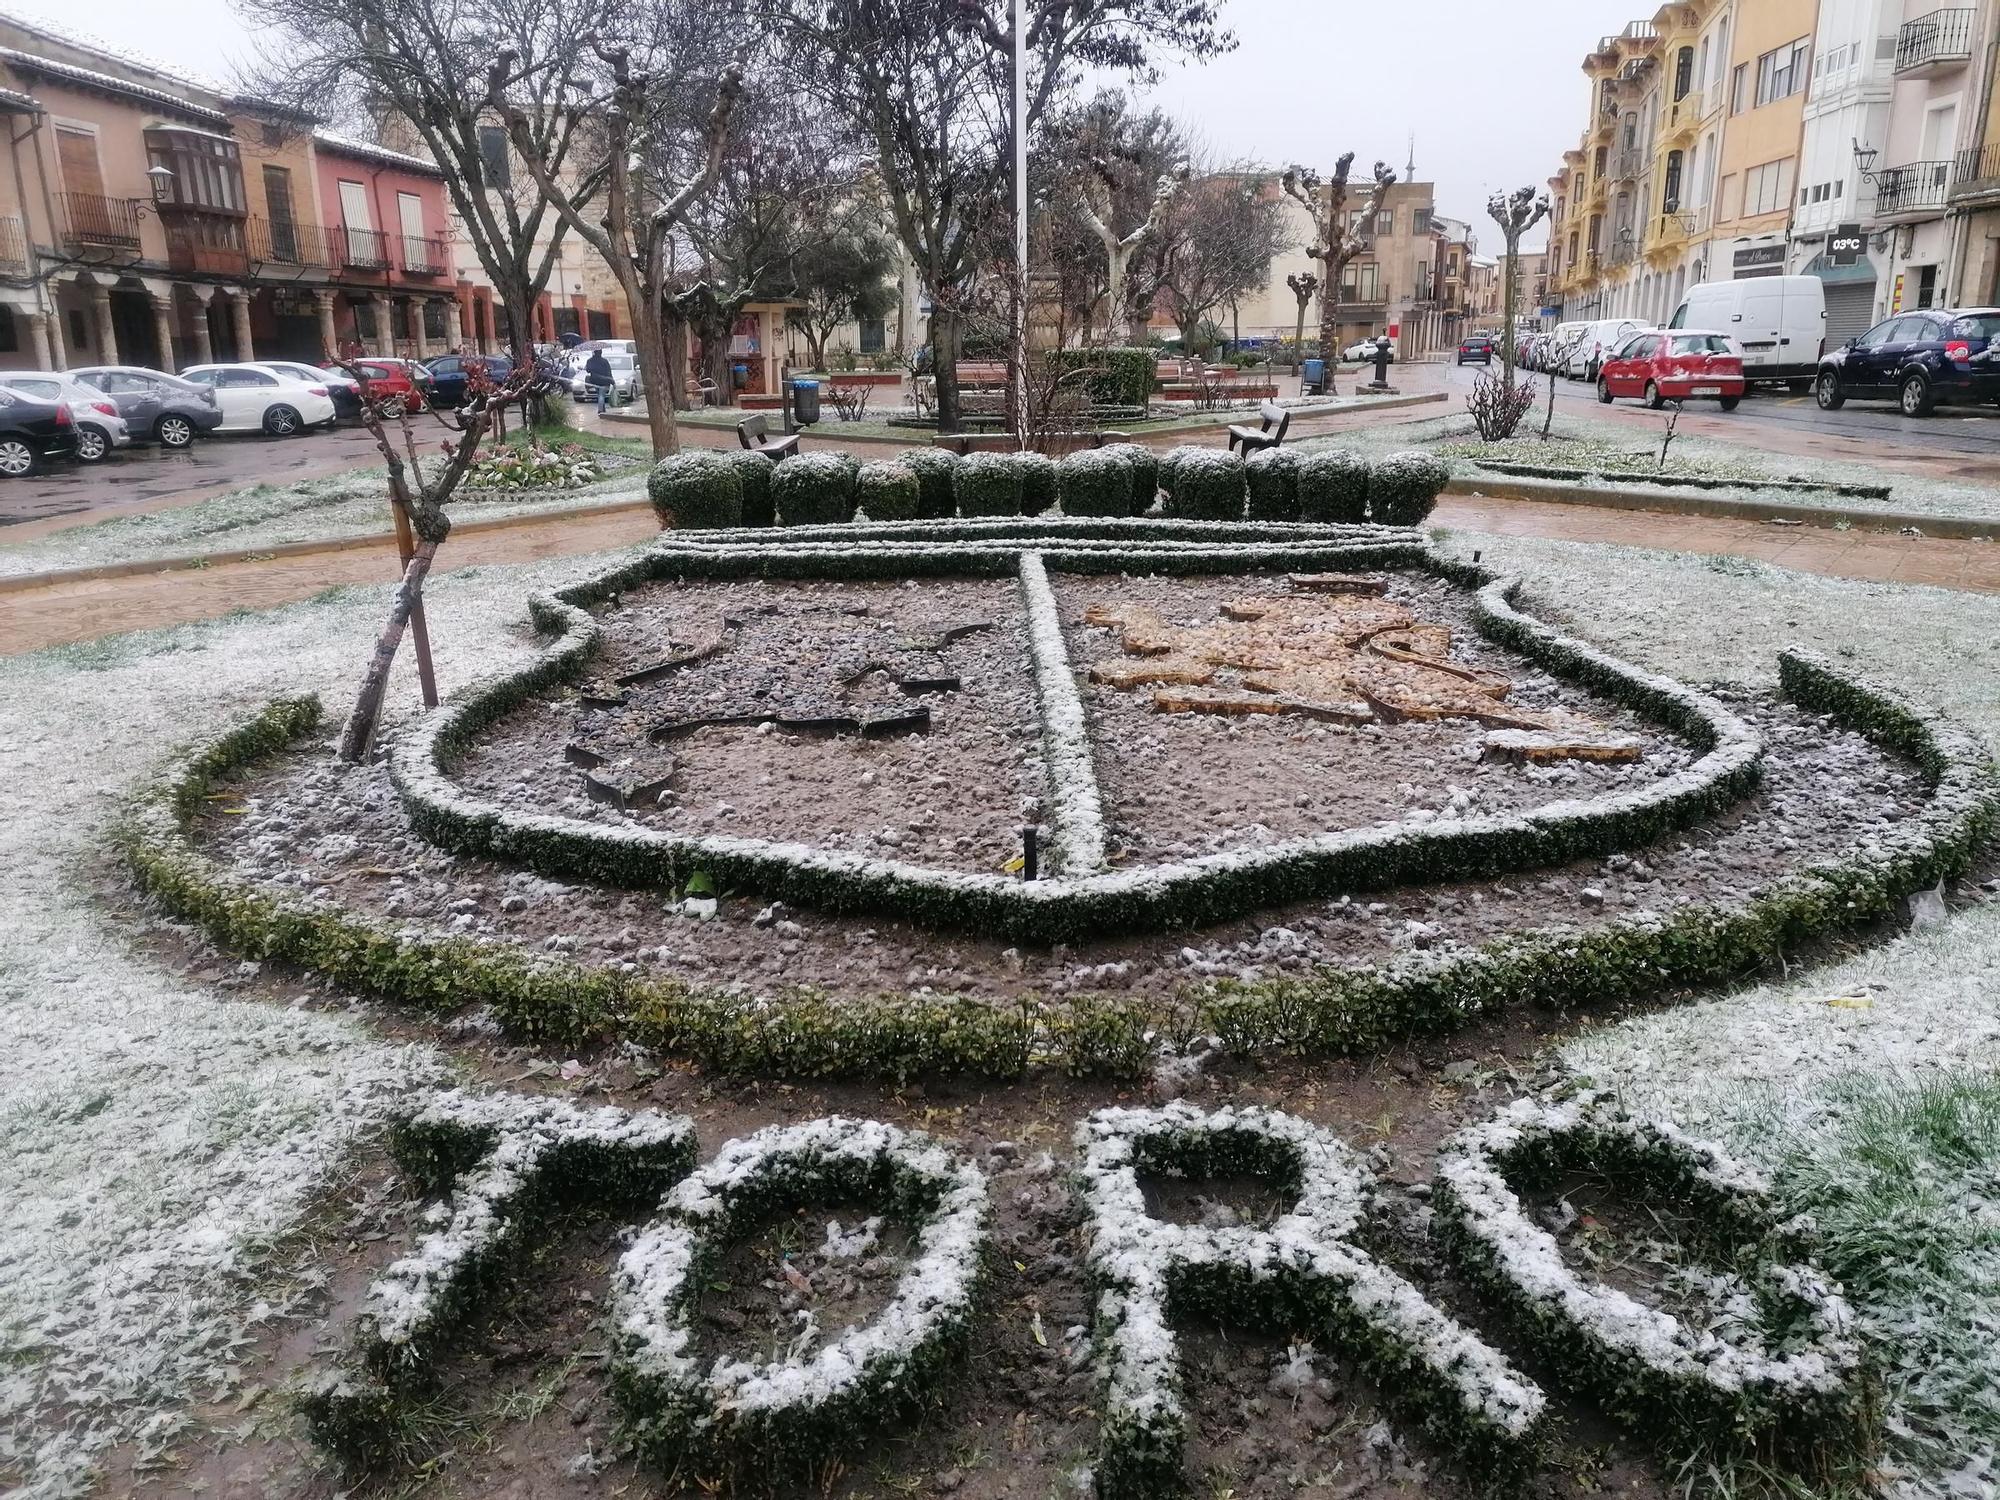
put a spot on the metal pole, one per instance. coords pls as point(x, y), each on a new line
point(1020, 330)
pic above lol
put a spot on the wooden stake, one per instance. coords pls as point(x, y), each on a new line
point(420, 636)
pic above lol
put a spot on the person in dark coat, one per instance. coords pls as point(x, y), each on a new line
point(597, 375)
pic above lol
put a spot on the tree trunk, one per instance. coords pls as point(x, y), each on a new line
point(354, 739)
point(1329, 324)
point(1115, 259)
point(519, 307)
point(1508, 299)
point(674, 339)
point(715, 361)
point(653, 374)
point(944, 366)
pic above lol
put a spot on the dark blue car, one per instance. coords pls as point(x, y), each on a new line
point(1920, 360)
point(448, 375)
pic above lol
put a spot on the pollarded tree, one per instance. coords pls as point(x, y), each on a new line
point(842, 277)
point(1120, 170)
point(1215, 243)
point(1516, 213)
point(1338, 237)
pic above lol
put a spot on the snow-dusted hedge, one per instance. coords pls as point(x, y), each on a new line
point(887, 491)
point(1145, 466)
point(699, 488)
point(1038, 482)
point(1076, 810)
point(1333, 486)
point(1303, 1275)
point(1782, 1359)
point(934, 468)
point(814, 489)
point(787, 1414)
point(505, 1165)
point(1094, 482)
point(987, 484)
point(1273, 478)
point(1207, 485)
point(753, 472)
point(1403, 489)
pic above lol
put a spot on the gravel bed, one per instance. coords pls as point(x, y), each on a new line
point(953, 795)
point(336, 834)
point(1178, 785)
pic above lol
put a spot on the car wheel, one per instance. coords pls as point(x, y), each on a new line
point(1828, 393)
point(174, 432)
point(1730, 403)
point(1653, 397)
point(1914, 396)
point(393, 407)
point(1603, 390)
point(91, 444)
point(17, 459)
point(283, 421)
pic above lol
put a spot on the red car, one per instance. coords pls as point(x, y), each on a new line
point(391, 385)
point(1676, 364)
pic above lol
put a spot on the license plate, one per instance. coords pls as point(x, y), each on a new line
point(1708, 390)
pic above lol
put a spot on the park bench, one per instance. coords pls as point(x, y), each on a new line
point(754, 432)
point(1250, 439)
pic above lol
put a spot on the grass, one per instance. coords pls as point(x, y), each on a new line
point(1602, 455)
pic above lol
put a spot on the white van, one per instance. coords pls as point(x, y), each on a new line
point(1778, 323)
point(1599, 341)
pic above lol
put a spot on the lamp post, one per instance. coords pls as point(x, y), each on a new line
point(1020, 330)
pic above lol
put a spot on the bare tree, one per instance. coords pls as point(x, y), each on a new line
point(1337, 239)
point(1516, 213)
point(641, 210)
point(1303, 285)
point(1215, 242)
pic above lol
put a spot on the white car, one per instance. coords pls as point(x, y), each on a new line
point(99, 427)
point(344, 389)
point(259, 398)
point(625, 386)
point(1364, 353)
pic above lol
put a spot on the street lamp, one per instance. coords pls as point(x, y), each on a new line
point(1864, 159)
point(162, 180)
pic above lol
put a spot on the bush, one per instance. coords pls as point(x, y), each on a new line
point(1333, 486)
point(754, 469)
point(698, 488)
point(1208, 486)
point(1095, 482)
point(535, 466)
point(1273, 475)
point(1404, 488)
point(1038, 482)
point(934, 468)
point(1117, 377)
point(887, 491)
point(988, 484)
point(1145, 466)
point(1497, 408)
point(814, 489)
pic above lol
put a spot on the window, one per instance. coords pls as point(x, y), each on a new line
point(600, 324)
point(434, 321)
point(1768, 188)
point(1700, 343)
point(493, 156)
point(278, 207)
point(79, 338)
point(1926, 286)
point(1670, 198)
point(874, 335)
point(1738, 82)
point(1683, 73)
point(1420, 222)
point(1781, 73)
point(208, 172)
point(1729, 205)
point(245, 378)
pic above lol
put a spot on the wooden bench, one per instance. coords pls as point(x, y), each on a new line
point(753, 432)
point(1250, 439)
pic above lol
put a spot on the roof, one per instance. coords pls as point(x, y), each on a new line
point(108, 83)
point(341, 145)
point(118, 52)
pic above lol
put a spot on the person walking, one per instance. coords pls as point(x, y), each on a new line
point(597, 375)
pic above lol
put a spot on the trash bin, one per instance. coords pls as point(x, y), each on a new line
point(1314, 376)
point(805, 402)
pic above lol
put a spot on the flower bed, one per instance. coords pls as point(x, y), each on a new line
point(787, 1414)
point(535, 468)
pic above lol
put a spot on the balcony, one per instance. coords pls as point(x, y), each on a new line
point(1977, 173)
point(276, 242)
point(206, 244)
point(1913, 191)
point(1628, 164)
point(1934, 44)
point(425, 255)
point(94, 222)
point(13, 247)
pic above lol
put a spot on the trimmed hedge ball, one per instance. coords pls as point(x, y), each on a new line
point(1208, 486)
point(1145, 466)
point(754, 469)
point(1038, 482)
point(1095, 482)
point(887, 491)
point(1333, 486)
point(934, 468)
point(698, 488)
point(814, 489)
point(1405, 486)
point(1273, 475)
point(988, 484)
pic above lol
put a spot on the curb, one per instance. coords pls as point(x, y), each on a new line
point(1500, 487)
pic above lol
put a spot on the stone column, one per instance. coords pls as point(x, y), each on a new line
point(204, 345)
point(328, 335)
point(163, 330)
point(107, 336)
point(239, 302)
point(418, 306)
point(38, 340)
point(385, 325)
point(58, 346)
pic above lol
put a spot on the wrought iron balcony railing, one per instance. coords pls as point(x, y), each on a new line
point(1934, 43)
point(1919, 187)
point(93, 220)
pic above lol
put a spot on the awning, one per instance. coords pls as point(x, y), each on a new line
point(1862, 270)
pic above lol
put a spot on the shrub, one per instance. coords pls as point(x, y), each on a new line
point(1095, 482)
point(1169, 462)
point(1118, 377)
point(1498, 409)
point(1038, 482)
point(1145, 466)
point(988, 484)
point(1333, 486)
point(1404, 488)
point(1273, 475)
point(698, 488)
point(887, 491)
point(934, 468)
point(538, 466)
point(754, 469)
point(814, 489)
point(1208, 486)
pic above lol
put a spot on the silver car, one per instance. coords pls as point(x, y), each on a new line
point(625, 384)
point(99, 426)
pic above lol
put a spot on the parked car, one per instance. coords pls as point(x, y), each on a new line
point(396, 385)
point(345, 394)
point(1533, 349)
point(1921, 359)
point(624, 378)
point(1682, 365)
point(99, 427)
point(1777, 322)
point(157, 407)
point(256, 398)
point(1596, 342)
point(32, 431)
point(1477, 346)
point(448, 375)
point(1364, 352)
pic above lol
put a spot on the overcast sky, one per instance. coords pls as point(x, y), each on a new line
point(1492, 89)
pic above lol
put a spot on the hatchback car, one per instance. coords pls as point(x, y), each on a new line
point(32, 430)
point(1364, 352)
point(450, 372)
point(1682, 365)
point(157, 407)
point(395, 385)
point(1475, 346)
point(257, 398)
point(99, 427)
point(1921, 360)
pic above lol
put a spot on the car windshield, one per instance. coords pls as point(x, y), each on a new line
point(1701, 343)
point(1978, 326)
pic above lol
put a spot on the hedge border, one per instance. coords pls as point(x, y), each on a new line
point(1075, 806)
